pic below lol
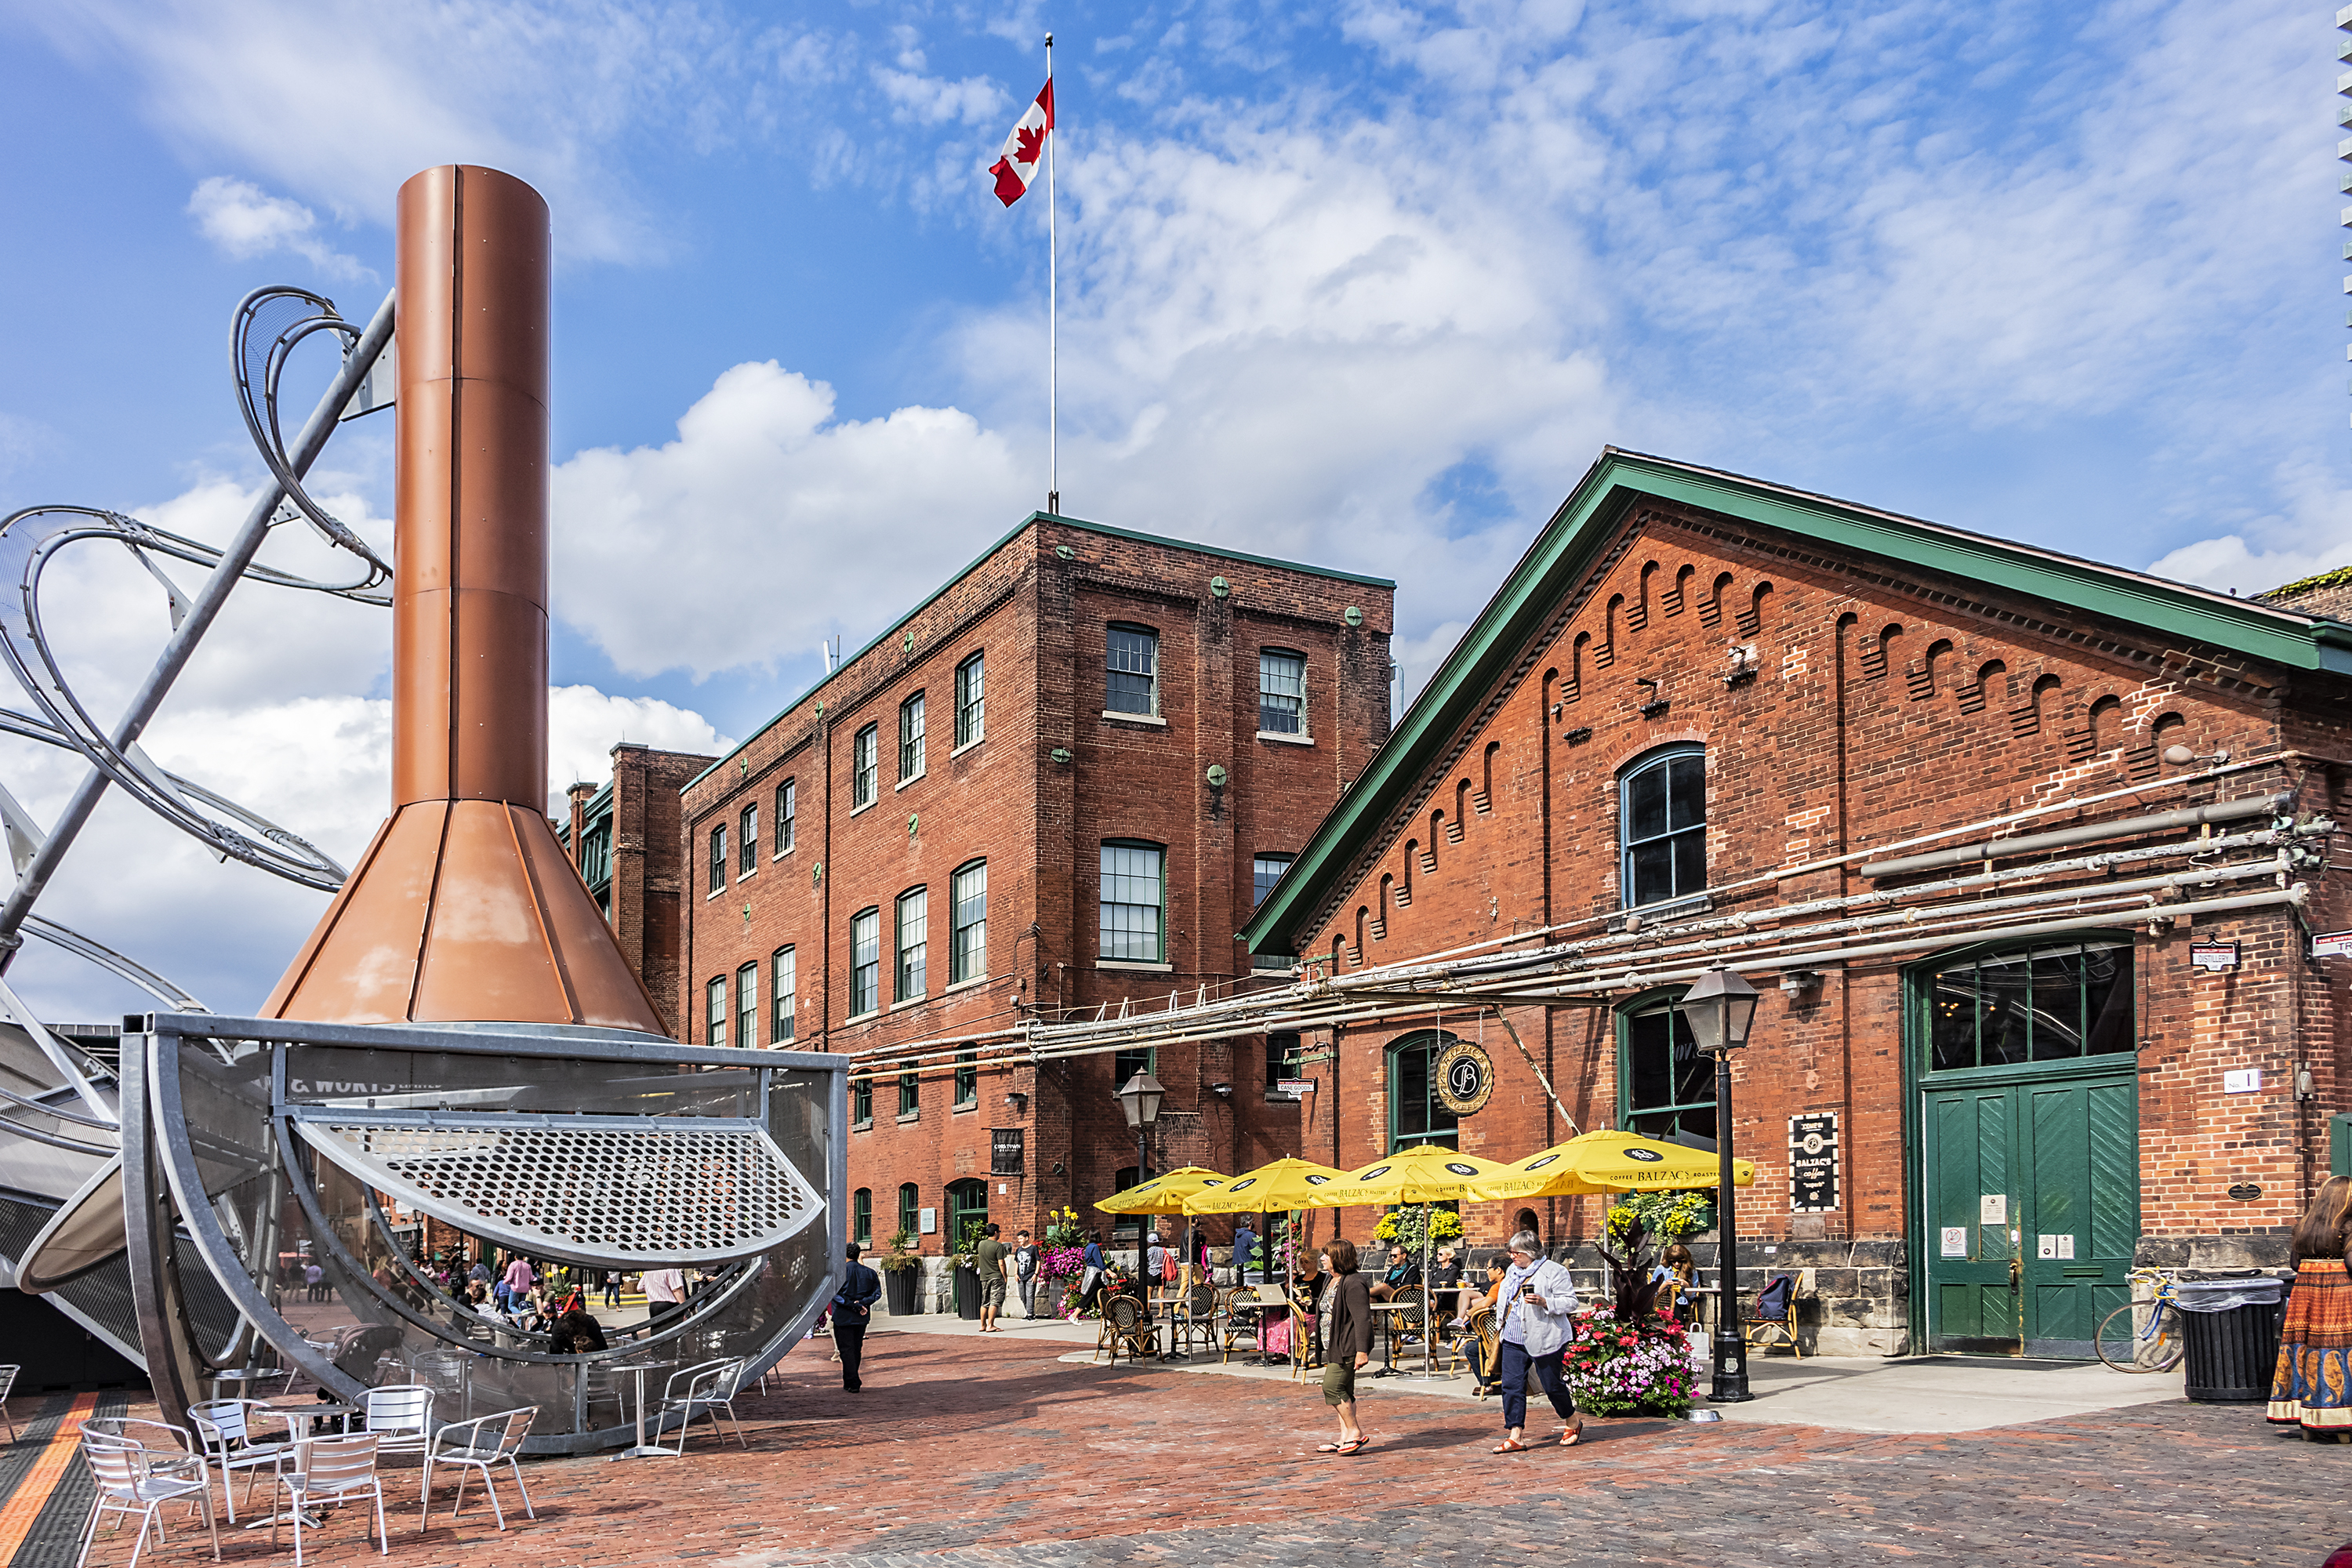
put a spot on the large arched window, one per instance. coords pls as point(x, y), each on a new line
point(1665, 1088)
point(910, 1212)
point(861, 1217)
point(1662, 825)
point(1415, 1113)
point(967, 1212)
point(2047, 1002)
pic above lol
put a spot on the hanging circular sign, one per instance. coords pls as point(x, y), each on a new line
point(1465, 1077)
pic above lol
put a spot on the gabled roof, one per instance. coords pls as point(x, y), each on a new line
point(2277, 637)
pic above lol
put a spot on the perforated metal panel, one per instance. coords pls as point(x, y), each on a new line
point(603, 1191)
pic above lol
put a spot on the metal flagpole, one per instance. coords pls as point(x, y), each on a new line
point(1053, 312)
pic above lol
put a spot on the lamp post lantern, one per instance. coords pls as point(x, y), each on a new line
point(1719, 1011)
point(1141, 1100)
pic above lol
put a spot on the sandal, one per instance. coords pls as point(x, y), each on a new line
point(1510, 1445)
point(1355, 1446)
point(1571, 1435)
point(1330, 1447)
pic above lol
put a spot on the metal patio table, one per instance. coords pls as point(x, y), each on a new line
point(642, 1450)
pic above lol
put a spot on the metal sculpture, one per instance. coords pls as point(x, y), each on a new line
point(459, 1044)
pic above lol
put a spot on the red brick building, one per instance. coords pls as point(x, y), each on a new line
point(1054, 788)
point(625, 839)
point(2027, 855)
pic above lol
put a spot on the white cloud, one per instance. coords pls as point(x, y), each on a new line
point(2309, 533)
point(244, 222)
point(768, 524)
point(584, 724)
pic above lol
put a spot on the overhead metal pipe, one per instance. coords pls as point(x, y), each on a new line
point(2280, 805)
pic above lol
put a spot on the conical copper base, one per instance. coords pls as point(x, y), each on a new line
point(464, 911)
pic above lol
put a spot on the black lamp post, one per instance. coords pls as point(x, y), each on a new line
point(1719, 1011)
point(1141, 1100)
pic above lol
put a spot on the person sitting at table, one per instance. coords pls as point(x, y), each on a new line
point(1676, 1270)
point(1473, 1298)
point(1402, 1279)
point(1445, 1274)
point(577, 1334)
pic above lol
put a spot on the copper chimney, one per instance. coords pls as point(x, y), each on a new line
point(465, 908)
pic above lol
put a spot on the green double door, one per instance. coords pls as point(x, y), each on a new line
point(2030, 1191)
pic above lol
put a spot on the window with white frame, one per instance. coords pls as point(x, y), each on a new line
point(914, 942)
point(1131, 676)
point(1133, 891)
point(719, 859)
point(910, 738)
point(748, 834)
point(716, 1032)
point(865, 767)
point(972, 700)
point(864, 961)
point(785, 983)
point(746, 1005)
point(787, 807)
point(1662, 825)
point(968, 944)
point(1281, 692)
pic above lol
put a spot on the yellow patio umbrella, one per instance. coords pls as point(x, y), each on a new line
point(1605, 1161)
point(1164, 1193)
point(1421, 1174)
point(1275, 1187)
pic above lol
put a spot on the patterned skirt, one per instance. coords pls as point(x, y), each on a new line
point(2313, 1386)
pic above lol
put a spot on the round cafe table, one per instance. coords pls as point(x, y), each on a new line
point(642, 1450)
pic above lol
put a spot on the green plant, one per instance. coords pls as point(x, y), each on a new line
point(1062, 1228)
point(901, 1253)
point(1669, 1217)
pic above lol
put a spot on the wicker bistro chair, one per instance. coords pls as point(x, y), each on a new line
point(704, 1390)
point(477, 1445)
point(329, 1470)
point(1239, 1320)
point(7, 1383)
point(1127, 1327)
point(1196, 1319)
point(226, 1428)
point(131, 1478)
point(1480, 1344)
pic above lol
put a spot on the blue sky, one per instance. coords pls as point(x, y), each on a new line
point(1362, 283)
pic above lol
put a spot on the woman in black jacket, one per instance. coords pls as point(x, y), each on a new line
point(1351, 1344)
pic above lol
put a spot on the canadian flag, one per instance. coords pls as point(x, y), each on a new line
point(1024, 149)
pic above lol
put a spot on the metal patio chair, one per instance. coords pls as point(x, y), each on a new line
point(7, 1383)
point(130, 1478)
point(477, 1445)
point(704, 1390)
point(225, 1431)
point(400, 1416)
point(448, 1373)
point(1772, 1321)
point(329, 1470)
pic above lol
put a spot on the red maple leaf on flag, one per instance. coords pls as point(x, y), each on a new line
point(1027, 143)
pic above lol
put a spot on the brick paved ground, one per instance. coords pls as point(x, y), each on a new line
point(976, 1455)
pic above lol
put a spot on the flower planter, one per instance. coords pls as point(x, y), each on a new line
point(899, 1287)
point(967, 1292)
point(1629, 1369)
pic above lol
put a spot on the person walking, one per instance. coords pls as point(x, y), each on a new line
point(664, 1293)
point(852, 1309)
point(2311, 1386)
point(1350, 1313)
point(1244, 1250)
point(1091, 1265)
point(519, 1279)
point(612, 1290)
point(1535, 1303)
point(1026, 1259)
point(988, 1260)
point(1155, 1265)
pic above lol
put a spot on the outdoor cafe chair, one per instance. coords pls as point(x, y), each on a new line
point(449, 1373)
point(477, 1445)
point(399, 1416)
point(1240, 1319)
point(226, 1431)
point(8, 1381)
point(1773, 1320)
point(328, 1469)
point(1481, 1344)
point(1126, 1326)
point(131, 1478)
point(704, 1390)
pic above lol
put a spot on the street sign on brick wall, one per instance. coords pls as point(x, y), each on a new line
point(1813, 1163)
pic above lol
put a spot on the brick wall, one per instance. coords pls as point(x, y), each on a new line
point(1881, 705)
point(1055, 777)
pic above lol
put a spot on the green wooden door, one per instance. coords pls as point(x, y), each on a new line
point(1973, 1300)
point(2030, 1197)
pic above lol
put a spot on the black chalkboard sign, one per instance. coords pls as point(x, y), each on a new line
point(1813, 1163)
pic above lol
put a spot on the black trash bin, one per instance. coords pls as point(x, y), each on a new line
point(967, 1292)
point(900, 1285)
point(2230, 1328)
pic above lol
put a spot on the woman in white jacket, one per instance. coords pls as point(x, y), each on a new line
point(1535, 1304)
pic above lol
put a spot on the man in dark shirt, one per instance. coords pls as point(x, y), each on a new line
point(1403, 1278)
point(988, 1262)
point(1026, 1259)
point(1245, 1243)
point(853, 1308)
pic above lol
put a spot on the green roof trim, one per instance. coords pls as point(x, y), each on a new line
point(974, 564)
point(1567, 545)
